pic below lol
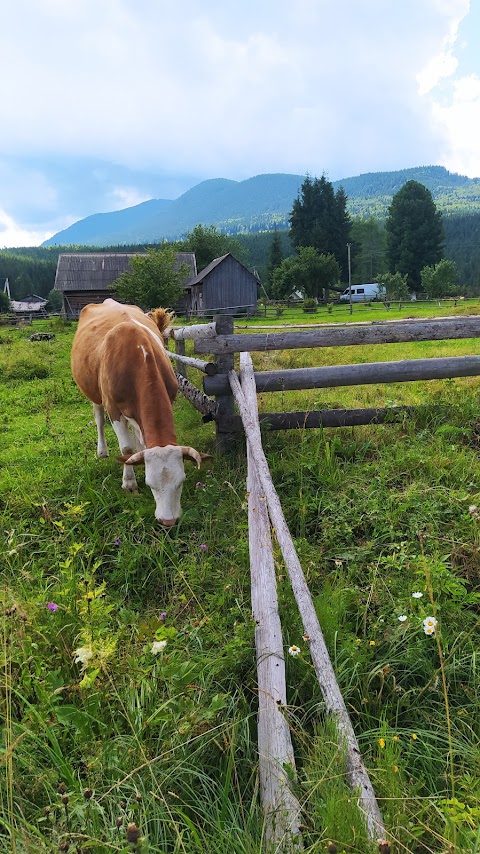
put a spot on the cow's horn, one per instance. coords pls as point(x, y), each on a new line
point(193, 455)
point(135, 459)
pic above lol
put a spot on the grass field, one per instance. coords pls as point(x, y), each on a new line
point(102, 729)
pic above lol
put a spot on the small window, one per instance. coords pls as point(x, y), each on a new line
point(360, 290)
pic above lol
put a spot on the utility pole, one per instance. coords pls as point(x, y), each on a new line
point(349, 277)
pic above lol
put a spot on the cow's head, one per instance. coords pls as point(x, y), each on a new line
point(164, 474)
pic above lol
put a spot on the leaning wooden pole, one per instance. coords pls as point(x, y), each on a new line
point(275, 752)
point(355, 768)
point(197, 398)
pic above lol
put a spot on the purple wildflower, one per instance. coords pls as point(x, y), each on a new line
point(117, 541)
point(52, 606)
point(199, 484)
point(204, 548)
point(163, 616)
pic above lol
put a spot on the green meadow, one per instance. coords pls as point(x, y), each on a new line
point(128, 683)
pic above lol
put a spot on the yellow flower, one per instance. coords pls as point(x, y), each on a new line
point(414, 736)
point(395, 737)
point(373, 643)
point(395, 769)
point(381, 742)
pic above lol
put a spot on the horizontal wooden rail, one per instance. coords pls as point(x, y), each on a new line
point(336, 335)
point(322, 418)
point(208, 368)
point(184, 333)
point(408, 370)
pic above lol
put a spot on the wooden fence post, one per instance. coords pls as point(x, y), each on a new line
point(334, 702)
point(224, 362)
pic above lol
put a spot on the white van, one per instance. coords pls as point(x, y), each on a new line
point(364, 293)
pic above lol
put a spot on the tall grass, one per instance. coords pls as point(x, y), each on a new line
point(94, 741)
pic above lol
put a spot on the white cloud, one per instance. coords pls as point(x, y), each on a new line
point(126, 197)
point(460, 121)
point(13, 234)
point(214, 89)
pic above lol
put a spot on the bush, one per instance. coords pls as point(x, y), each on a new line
point(310, 305)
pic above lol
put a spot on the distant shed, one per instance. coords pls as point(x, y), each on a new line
point(86, 277)
point(225, 286)
point(31, 304)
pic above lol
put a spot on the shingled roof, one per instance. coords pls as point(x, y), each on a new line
point(197, 279)
point(95, 271)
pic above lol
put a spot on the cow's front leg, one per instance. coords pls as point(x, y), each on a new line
point(126, 441)
point(99, 415)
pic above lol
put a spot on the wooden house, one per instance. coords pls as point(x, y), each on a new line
point(225, 286)
point(86, 277)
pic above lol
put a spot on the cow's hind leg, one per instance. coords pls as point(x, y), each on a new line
point(99, 415)
point(126, 442)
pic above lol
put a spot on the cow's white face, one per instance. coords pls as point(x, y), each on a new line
point(164, 474)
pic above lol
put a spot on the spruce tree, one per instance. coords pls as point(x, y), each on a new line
point(319, 218)
point(414, 232)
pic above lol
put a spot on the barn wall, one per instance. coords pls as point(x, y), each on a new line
point(228, 285)
point(74, 301)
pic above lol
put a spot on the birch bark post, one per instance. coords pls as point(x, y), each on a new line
point(335, 705)
point(275, 751)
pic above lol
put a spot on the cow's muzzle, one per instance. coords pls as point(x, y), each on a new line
point(167, 523)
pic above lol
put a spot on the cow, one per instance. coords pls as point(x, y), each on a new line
point(118, 361)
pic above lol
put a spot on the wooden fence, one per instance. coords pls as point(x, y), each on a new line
point(218, 339)
point(281, 808)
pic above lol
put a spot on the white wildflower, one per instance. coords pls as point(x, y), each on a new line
point(417, 595)
point(83, 655)
point(294, 650)
point(158, 646)
point(338, 563)
point(402, 618)
point(429, 625)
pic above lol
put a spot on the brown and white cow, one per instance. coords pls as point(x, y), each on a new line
point(119, 363)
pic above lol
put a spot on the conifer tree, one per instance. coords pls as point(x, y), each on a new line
point(414, 232)
point(275, 257)
point(319, 218)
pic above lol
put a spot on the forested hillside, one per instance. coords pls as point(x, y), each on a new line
point(259, 204)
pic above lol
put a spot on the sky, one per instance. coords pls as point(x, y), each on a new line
point(107, 103)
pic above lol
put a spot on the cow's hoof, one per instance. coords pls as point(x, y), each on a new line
point(132, 489)
point(102, 455)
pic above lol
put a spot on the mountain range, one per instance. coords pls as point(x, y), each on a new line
point(259, 204)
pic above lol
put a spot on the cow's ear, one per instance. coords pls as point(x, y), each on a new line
point(132, 459)
point(194, 456)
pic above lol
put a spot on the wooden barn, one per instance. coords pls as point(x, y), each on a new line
point(85, 277)
point(224, 287)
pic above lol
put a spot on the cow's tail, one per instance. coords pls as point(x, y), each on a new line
point(162, 318)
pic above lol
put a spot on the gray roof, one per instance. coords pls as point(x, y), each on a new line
point(207, 270)
point(31, 298)
point(95, 271)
